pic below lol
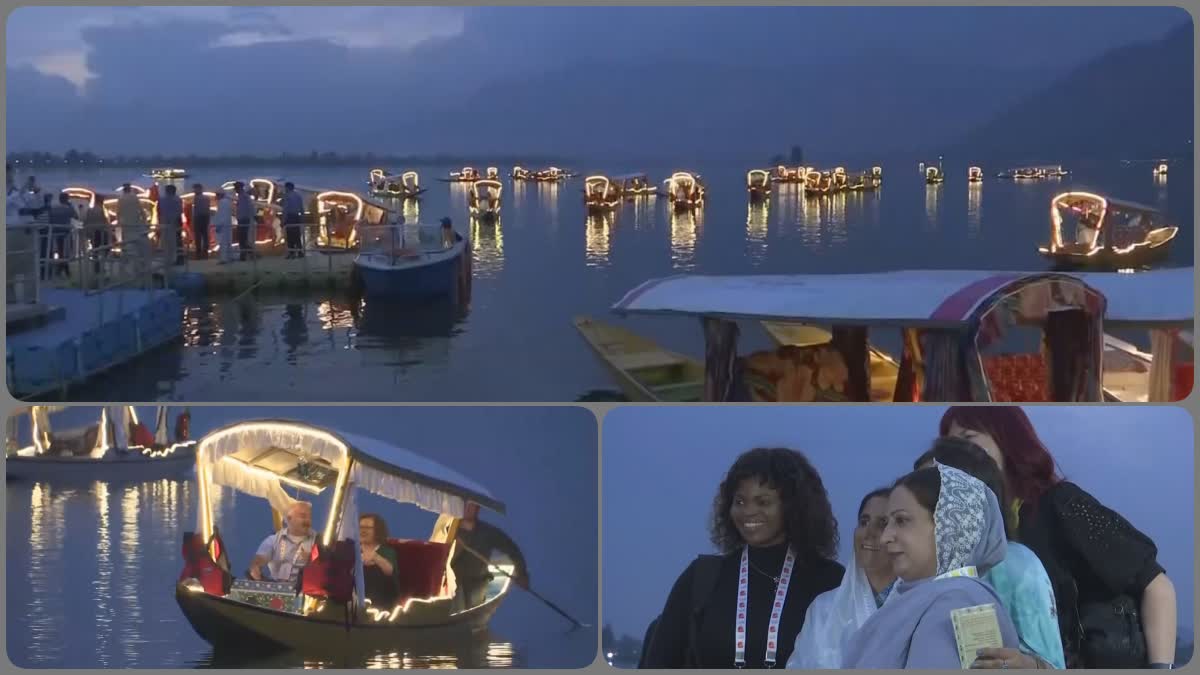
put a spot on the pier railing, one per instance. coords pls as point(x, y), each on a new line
point(22, 281)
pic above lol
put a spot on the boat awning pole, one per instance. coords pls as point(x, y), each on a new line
point(851, 343)
point(720, 359)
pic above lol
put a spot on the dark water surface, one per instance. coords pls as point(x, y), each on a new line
point(92, 565)
point(546, 261)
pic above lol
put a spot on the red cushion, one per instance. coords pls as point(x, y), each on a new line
point(1017, 378)
point(1181, 385)
point(420, 567)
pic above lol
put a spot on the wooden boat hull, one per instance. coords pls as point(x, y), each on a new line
point(644, 371)
point(1155, 251)
point(131, 467)
point(432, 277)
point(600, 208)
point(227, 623)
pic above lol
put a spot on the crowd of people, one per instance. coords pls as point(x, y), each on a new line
point(233, 217)
point(984, 519)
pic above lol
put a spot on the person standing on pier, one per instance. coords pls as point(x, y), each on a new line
point(224, 227)
point(245, 220)
point(200, 218)
point(293, 215)
point(170, 219)
point(133, 229)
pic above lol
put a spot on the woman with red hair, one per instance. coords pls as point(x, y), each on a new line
point(1103, 569)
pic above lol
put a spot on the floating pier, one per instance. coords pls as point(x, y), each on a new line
point(70, 335)
point(316, 270)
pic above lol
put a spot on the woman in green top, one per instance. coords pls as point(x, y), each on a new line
point(379, 561)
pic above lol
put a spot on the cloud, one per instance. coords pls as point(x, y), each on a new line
point(55, 40)
point(424, 79)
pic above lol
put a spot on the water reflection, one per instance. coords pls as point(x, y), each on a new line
point(487, 242)
point(757, 217)
point(130, 594)
point(598, 239)
point(835, 220)
point(294, 330)
point(46, 554)
point(104, 572)
point(974, 204)
point(685, 228)
point(483, 650)
point(933, 198)
point(411, 210)
point(645, 213)
point(548, 200)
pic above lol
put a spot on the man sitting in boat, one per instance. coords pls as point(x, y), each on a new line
point(287, 551)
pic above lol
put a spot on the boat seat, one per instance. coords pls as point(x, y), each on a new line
point(420, 568)
point(649, 359)
point(1017, 378)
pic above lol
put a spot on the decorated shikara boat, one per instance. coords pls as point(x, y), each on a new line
point(965, 335)
point(601, 195)
point(484, 199)
point(326, 606)
point(758, 185)
point(685, 191)
point(1108, 233)
point(118, 446)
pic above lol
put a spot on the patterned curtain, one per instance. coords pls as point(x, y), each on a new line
point(1074, 346)
point(946, 378)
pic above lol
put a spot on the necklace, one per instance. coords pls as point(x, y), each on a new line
point(774, 579)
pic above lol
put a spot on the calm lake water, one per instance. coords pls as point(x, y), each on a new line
point(546, 262)
point(92, 565)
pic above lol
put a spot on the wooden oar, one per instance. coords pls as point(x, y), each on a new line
point(539, 596)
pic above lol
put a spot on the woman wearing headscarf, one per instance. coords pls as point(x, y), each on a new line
point(1020, 579)
point(777, 537)
point(835, 615)
point(1101, 566)
point(944, 530)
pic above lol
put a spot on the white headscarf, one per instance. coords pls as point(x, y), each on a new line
point(832, 619)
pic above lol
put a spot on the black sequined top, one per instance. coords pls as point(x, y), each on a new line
point(1088, 547)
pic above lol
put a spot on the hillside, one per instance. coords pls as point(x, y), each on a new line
point(1134, 101)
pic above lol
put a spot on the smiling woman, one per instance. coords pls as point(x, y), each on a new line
point(775, 529)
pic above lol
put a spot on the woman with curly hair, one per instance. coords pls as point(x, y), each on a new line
point(777, 537)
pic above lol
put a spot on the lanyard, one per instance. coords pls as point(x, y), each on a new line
point(739, 635)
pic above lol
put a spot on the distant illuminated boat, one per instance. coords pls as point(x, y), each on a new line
point(758, 185)
point(1161, 169)
point(600, 194)
point(118, 446)
point(167, 174)
point(934, 175)
point(1109, 233)
point(685, 191)
point(975, 175)
point(484, 199)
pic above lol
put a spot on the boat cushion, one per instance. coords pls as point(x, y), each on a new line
point(420, 568)
point(207, 564)
point(330, 571)
point(1017, 378)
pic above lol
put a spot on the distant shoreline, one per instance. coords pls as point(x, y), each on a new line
point(87, 160)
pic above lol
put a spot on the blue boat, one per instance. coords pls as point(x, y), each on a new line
point(413, 261)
